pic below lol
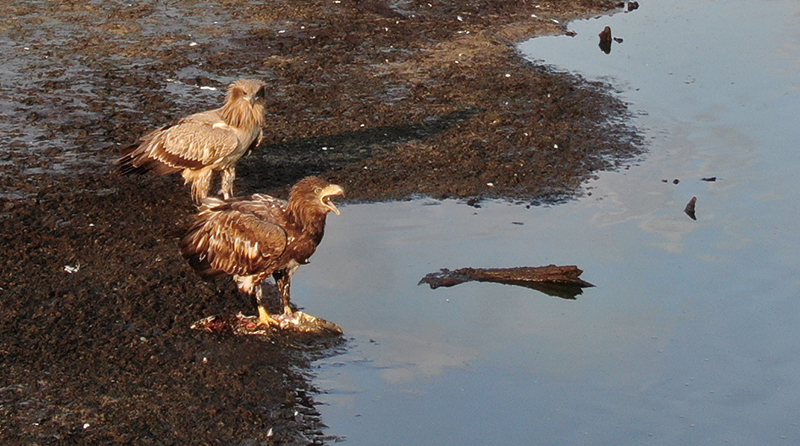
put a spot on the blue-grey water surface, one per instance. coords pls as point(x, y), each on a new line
point(691, 335)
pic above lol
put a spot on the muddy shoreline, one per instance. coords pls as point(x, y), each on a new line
point(390, 99)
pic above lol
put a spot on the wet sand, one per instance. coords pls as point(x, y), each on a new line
point(390, 99)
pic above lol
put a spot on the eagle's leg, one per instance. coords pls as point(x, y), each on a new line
point(283, 279)
point(201, 182)
point(228, 175)
point(264, 318)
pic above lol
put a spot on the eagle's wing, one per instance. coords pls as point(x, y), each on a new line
point(265, 207)
point(235, 238)
point(194, 142)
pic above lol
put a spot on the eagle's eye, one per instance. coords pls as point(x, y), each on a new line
point(317, 190)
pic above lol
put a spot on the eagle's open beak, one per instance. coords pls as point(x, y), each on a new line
point(331, 191)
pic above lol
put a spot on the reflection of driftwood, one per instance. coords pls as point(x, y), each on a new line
point(559, 281)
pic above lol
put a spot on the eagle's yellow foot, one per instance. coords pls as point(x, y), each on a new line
point(264, 318)
point(288, 319)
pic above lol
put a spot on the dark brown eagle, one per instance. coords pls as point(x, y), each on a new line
point(203, 143)
point(253, 238)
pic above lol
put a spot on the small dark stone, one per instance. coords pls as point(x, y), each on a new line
point(605, 40)
point(689, 209)
point(605, 34)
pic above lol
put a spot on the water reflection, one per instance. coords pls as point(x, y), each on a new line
point(689, 335)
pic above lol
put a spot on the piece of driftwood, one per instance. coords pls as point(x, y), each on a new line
point(558, 281)
point(248, 325)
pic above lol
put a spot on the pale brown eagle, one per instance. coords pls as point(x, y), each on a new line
point(253, 238)
point(203, 143)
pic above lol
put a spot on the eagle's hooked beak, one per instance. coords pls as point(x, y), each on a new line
point(326, 194)
point(261, 94)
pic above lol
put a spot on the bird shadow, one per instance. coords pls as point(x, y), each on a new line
point(279, 165)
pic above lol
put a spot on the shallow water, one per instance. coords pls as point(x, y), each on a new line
point(690, 336)
point(53, 69)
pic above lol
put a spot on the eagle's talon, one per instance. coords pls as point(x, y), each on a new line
point(265, 319)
